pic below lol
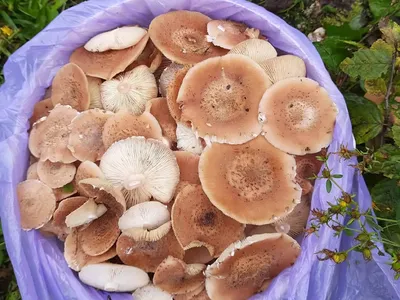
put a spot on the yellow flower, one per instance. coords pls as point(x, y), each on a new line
point(6, 30)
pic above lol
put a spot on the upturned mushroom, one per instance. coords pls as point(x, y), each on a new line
point(258, 50)
point(151, 292)
point(55, 175)
point(87, 169)
point(85, 214)
point(282, 67)
point(187, 139)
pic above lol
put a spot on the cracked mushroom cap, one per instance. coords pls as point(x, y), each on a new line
point(158, 107)
point(299, 116)
point(176, 277)
point(167, 76)
point(282, 67)
point(87, 169)
point(187, 140)
point(144, 168)
point(85, 214)
point(116, 39)
point(66, 207)
point(220, 97)
point(181, 37)
point(245, 265)
point(306, 167)
point(148, 255)
point(197, 255)
point(129, 91)
point(55, 175)
point(40, 110)
point(151, 292)
point(94, 92)
point(258, 50)
point(124, 125)
point(49, 137)
point(188, 163)
point(70, 87)
point(113, 278)
point(172, 92)
point(37, 204)
point(85, 138)
point(106, 65)
point(252, 183)
point(197, 222)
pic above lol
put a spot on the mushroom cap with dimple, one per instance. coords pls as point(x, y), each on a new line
point(197, 222)
point(55, 175)
point(253, 183)
point(246, 265)
point(158, 107)
point(181, 36)
point(37, 204)
point(94, 92)
point(220, 97)
point(258, 50)
point(41, 109)
point(87, 169)
point(188, 163)
point(299, 116)
point(282, 67)
point(151, 292)
point(172, 92)
point(167, 76)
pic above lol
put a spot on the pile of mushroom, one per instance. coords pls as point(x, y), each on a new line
point(181, 152)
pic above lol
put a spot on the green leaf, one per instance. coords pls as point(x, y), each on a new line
point(375, 86)
point(345, 32)
point(380, 8)
point(390, 31)
point(366, 117)
point(396, 134)
point(328, 185)
point(348, 232)
point(386, 161)
point(68, 188)
point(386, 195)
point(337, 175)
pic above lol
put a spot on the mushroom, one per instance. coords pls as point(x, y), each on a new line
point(151, 292)
point(64, 209)
point(148, 255)
point(85, 214)
point(49, 137)
point(49, 230)
point(144, 168)
point(125, 124)
point(258, 50)
point(106, 65)
point(197, 255)
point(187, 139)
point(94, 92)
point(252, 183)
point(172, 91)
point(245, 265)
point(181, 36)
point(167, 76)
point(113, 278)
point(188, 163)
point(129, 91)
point(116, 39)
point(150, 57)
point(32, 171)
point(37, 204)
point(199, 293)
point(40, 110)
point(85, 138)
point(87, 169)
point(196, 222)
point(220, 97)
point(260, 229)
point(307, 166)
point(299, 116)
point(176, 277)
point(66, 191)
point(282, 67)
point(55, 175)
point(165, 63)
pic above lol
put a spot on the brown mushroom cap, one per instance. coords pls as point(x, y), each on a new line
point(172, 91)
point(244, 266)
point(150, 57)
point(220, 97)
point(37, 203)
point(94, 92)
point(282, 67)
point(41, 109)
point(188, 166)
point(148, 255)
point(49, 230)
point(124, 124)
point(258, 50)
point(107, 64)
point(176, 277)
point(158, 107)
point(196, 222)
point(181, 36)
point(32, 171)
point(85, 138)
point(66, 191)
point(87, 169)
point(64, 209)
point(199, 293)
point(70, 87)
point(260, 229)
point(55, 175)
point(49, 137)
point(197, 255)
point(167, 76)
point(252, 183)
point(299, 116)
point(306, 167)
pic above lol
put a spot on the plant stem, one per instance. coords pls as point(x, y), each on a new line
point(382, 219)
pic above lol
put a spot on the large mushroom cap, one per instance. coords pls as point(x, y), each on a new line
point(282, 67)
point(187, 140)
point(125, 124)
point(94, 92)
point(151, 292)
point(188, 163)
point(148, 255)
point(244, 266)
point(143, 168)
point(107, 64)
point(258, 50)
point(299, 116)
point(37, 203)
point(167, 76)
point(41, 109)
point(70, 87)
point(252, 183)
point(87, 169)
point(159, 109)
point(220, 97)
point(197, 222)
point(113, 278)
point(55, 175)
point(172, 91)
point(85, 139)
point(181, 36)
point(129, 91)
point(49, 137)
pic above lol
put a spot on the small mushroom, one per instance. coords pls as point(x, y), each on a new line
point(197, 255)
point(300, 116)
point(113, 278)
point(187, 139)
point(220, 97)
point(49, 230)
point(66, 191)
point(158, 107)
point(49, 137)
point(181, 36)
point(196, 222)
point(172, 91)
point(32, 171)
point(37, 204)
point(85, 138)
point(106, 65)
point(165, 62)
point(55, 175)
point(148, 255)
point(244, 266)
point(188, 163)
point(40, 110)
point(64, 209)
point(94, 92)
point(167, 76)
point(307, 166)
point(116, 39)
point(124, 124)
point(144, 168)
point(151, 292)
point(150, 57)
point(87, 169)
point(176, 277)
point(85, 214)
point(258, 50)
point(129, 91)
point(282, 67)
point(252, 183)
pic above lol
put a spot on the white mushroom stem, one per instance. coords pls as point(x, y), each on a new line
point(85, 214)
point(134, 181)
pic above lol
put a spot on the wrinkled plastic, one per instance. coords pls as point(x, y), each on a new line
point(38, 262)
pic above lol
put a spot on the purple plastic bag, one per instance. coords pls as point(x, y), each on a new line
point(38, 262)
